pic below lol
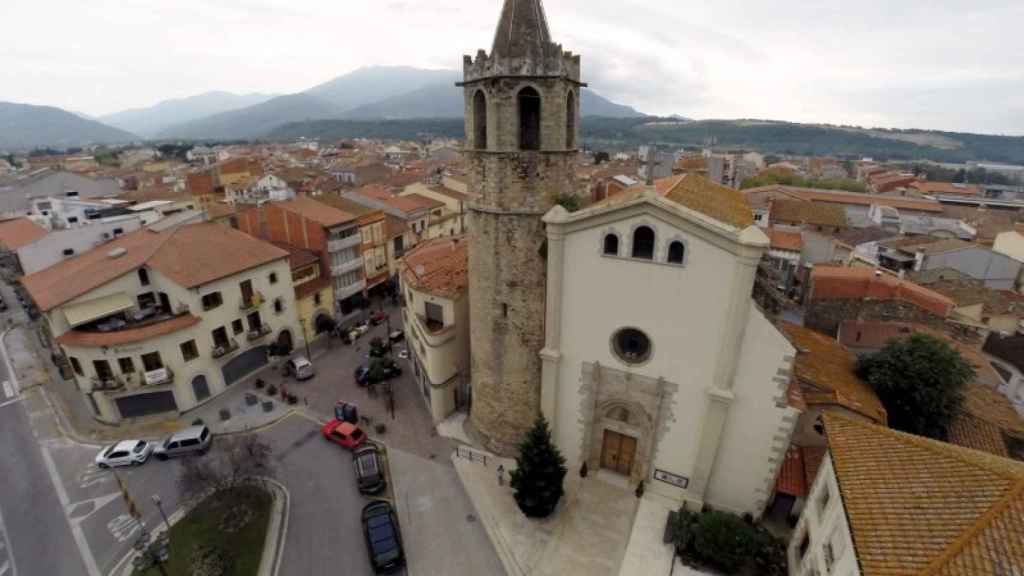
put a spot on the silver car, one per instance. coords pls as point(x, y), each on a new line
point(191, 440)
point(300, 368)
point(125, 453)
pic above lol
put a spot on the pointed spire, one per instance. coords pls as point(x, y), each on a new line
point(522, 31)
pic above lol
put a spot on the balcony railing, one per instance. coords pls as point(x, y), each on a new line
point(225, 349)
point(112, 383)
point(344, 243)
point(158, 377)
point(342, 292)
point(258, 333)
point(349, 266)
point(254, 301)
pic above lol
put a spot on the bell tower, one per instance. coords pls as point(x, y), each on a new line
point(522, 118)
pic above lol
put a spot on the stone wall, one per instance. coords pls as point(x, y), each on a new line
point(826, 315)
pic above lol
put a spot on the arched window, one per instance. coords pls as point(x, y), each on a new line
point(480, 120)
point(570, 120)
point(143, 277)
point(676, 252)
point(643, 243)
point(529, 119)
point(611, 245)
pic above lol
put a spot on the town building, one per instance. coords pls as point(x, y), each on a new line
point(435, 282)
point(159, 322)
point(924, 255)
point(855, 204)
point(314, 293)
point(61, 244)
point(886, 502)
point(17, 193)
point(373, 228)
point(331, 233)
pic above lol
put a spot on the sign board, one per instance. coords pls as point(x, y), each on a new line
point(158, 375)
point(673, 479)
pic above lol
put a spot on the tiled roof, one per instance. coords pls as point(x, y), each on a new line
point(346, 205)
point(311, 287)
point(20, 232)
point(920, 507)
point(839, 282)
point(926, 187)
point(439, 266)
point(316, 211)
point(827, 373)
point(851, 198)
point(121, 337)
point(857, 236)
point(413, 203)
point(298, 257)
point(190, 255)
point(966, 293)
point(791, 479)
point(785, 240)
point(811, 213)
point(698, 194)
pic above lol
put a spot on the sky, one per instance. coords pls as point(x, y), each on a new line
point(939, 64)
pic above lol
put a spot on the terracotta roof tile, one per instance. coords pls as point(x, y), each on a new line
point(439, 266)
point(851, 198)
point(20, 232)
point(792, 479)
point(918, 506)
point(298, 257)
point(785, 240)
point(413, 203)
point(926, 187)
point(308, 288)
point(839, 282)
point(827, 373)
point(698, 194)
point(316, 211)
point(810, 213)
point(121, 337)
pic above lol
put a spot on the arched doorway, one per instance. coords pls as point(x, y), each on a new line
point(529, 119)
point(323, 323)
point(200, 388)
point(284, 341)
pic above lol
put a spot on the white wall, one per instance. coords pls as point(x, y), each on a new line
point(826, 526)
point(49, 250)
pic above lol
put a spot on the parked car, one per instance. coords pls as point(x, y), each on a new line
point(391, 370)
point(191, 440)
point(383, 538)
point(124, 453)
point(344, 434)
point(378, 317)
point(369, 465)
point(396, 336)
point(300, 367)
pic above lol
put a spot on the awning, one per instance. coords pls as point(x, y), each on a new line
point(95, 309)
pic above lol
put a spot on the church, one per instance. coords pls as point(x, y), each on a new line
point(628, 324)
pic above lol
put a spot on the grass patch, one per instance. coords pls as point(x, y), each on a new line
point(203, 527)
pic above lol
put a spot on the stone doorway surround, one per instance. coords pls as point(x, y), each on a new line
point(627, 404)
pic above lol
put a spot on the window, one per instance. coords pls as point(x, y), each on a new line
point(212, 300)
point(189, 351)
point(611, 245)
point(317, 299)
point(631, 346)
point(570, 120)
point(143, 276)
point(823, 500)
point(529, 119)
point(273, 277)
point(126, 365)
point(147, 299)
point(236, 327)
point(830, 558)
point(643, 243)
point(676, 252)
point(278, 305)
point(118, 231)
point(435, 316)
point(69, 252)
point(76, 365)
point(255, 322)
point(103, 371)
point(479, 120)
point(504, 310)
point(220, 337)
point(152, 362)
point(399, 246)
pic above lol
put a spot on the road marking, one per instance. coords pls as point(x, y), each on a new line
point(8, 391)
point(9, 563)
point(76, 530)
point(93, 475)
point(122, 527)
point(9, 402)
point(4, 567)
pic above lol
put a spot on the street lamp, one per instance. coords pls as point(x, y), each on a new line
point(155, 554)
point(159, 506)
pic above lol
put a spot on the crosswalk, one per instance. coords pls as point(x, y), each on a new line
point(8, 390)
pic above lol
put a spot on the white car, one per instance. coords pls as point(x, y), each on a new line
point(125, 453)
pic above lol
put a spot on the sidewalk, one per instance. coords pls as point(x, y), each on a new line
point(586, 535)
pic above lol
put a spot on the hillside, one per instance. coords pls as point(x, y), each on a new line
point(378, 83)
point(763, 136)
point(23, 127)
point(254, 121)
point(149, 121)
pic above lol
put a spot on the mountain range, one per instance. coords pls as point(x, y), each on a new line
point(150, 121)
point(24, 126)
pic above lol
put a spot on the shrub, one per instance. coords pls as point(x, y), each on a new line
point(723, 541)
point(272, 390)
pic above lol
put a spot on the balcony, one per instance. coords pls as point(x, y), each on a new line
point(158, 377)
point(342, 292)
point(434, 333)
point(253, 301)
point(258, 333)
point(344, 243)
point(224, 349)
point(107, 384)
point(345, 267)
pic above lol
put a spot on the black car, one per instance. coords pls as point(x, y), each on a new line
point(369, 467)
point(391, 370)
point(383, 539)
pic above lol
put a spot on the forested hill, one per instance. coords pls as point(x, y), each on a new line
point(763, 136)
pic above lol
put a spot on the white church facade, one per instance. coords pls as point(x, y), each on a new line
point(657, 364)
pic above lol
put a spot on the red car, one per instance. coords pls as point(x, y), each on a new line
point(343, 433)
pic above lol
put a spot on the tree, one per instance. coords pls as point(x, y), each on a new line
point(570, 202)
point(233, 461)
point(540, 470)
point(601, 158)
point(920, 381)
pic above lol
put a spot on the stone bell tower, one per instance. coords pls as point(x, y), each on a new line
point(522, 114)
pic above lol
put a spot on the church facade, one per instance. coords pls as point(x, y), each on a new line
point(657, 364)
point(629, 324)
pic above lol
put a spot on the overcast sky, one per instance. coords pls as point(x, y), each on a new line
point(945, 64)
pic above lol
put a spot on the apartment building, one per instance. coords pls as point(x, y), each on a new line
point(160, 322)
point(373, 228)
